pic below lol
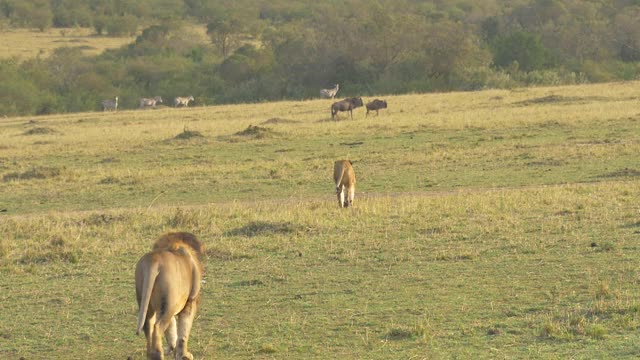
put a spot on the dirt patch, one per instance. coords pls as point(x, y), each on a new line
point(242, 283)
point(102, 219)
point(626, 172)
point(39, 131)
point(356, 143)
point(558, 99)
point(213, 253)
point(109, 160)
point(279, 121)
point(34, 173)
point(258, 228)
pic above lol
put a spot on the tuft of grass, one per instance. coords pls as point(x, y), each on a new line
point(267, 349)
point(182, 218)
point(596, 331)
point(188, 134)
point(556, 330)
point(255, 132)
point(398, 333)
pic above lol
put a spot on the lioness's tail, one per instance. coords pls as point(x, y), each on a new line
point(336, 178)
point(147, 287)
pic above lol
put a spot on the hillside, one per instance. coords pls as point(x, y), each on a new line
point(249, 51)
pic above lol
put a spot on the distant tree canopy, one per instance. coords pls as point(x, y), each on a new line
point(269, 50)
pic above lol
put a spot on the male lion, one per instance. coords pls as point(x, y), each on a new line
point(168, 284)
point(344, 177)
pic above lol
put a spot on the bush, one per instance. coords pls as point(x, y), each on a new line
point(122, 25)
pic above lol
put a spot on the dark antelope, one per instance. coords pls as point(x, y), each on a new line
point(345, 105)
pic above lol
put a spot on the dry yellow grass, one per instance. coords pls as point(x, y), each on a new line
point(29, 43)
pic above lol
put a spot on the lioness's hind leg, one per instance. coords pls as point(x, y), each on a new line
point(185, 320)
point(352, 195)
point(340, 192)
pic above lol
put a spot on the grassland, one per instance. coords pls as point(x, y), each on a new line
point(492, 224)
point(25, 44)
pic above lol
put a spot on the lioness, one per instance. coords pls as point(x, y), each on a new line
point(168, 284)
point(344, 177)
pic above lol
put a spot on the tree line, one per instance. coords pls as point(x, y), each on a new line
point(262, 50)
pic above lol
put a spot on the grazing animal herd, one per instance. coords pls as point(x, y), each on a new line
point(349, 104)
point(112, 105)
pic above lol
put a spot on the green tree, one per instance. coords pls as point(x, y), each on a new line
point(627, 34)
point(225, 34)
point(522, 48)
point(68, 13)
point(34, 13)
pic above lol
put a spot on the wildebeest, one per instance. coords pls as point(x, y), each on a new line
point(110, 105)
point(150, 102)
point(182, 101)
point(345, 105)
point(376, 105)
point(329, 93)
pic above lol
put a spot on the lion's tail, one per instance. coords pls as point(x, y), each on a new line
point(147, 288)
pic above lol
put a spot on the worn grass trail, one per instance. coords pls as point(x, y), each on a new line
point(496, 224)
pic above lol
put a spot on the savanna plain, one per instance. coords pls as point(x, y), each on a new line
point(490, 224)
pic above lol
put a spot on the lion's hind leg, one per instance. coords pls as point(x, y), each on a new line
point(148, 327)
point(171, 335)
point(185, 321)
point(160, 328)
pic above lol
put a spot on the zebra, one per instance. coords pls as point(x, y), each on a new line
point(110, 105)
point(329, 93)
point(150, 102)
point(182, 101)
